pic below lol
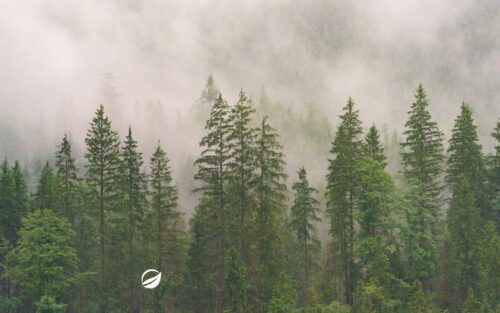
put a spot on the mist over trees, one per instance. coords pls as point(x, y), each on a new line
point(371, 221)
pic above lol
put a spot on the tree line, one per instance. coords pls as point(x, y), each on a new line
point(425, 242)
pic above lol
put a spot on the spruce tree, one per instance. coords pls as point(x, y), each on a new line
point(199, 290)
point(423, 161)
point(167, 237)
point(235, 292)
point(242, 168)
point(347, 148)
point(10, 218)
point(46, 191)
point(373, 147)
point(304, 215)
point(284, 296)
point(464, 228)
point(423, 149)
point(270, 191)
point(493, 185)
point(133, 189)
point(66, 178)
point(103, 169)
point(466, 158)
point(214, 175)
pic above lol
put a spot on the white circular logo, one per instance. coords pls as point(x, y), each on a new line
point(151, 282)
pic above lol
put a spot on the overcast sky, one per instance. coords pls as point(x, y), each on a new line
point(53, 55)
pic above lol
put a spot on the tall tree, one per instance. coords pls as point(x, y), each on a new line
point(347, 148)
point(422, 161)
point(199, 290)
point(423, 149)
point(103, 169)
point(10, 216)
point(46, 191)
point(270, 190)
point(214, 174)
point(304, 215)
point(373, 147)
point(133, 188)
point(242, 167)
point(493, 186)
point(466, 158)
point(66, 177)
point(166, 235)
point(236, 283)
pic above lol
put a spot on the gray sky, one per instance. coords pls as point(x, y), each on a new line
point(53, 55)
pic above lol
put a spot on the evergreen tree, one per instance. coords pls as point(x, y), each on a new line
point(20, 190)
point(235, 291)
point(242, 167)
point(284, 296)
point(214, 174)
point(373, 147)
point(46, 191)
point(10, 218)
point(304, 215)
point(493, 186)
point(423, 157)
point(199, 291)
point(45, 258)
point(489, 263)
point(103, 169)
point(466, 159)
point(422, 161)
point(66, 177)
point(208, 97)
point(342, 181)
point(133, 188)
point(270, 191)
point(419, 301)
point(464, 227)
point(165, 221)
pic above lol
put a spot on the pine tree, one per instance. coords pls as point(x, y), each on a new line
point(464, 228)
point(133, 188)
point(46, 191)
point(422, 161)
point(208, 97)
point(103, 169)
point(304, 215)
point(242, 168)
point(199, 291)
point(167, 237)
point(270, 191)
point(466, 158)
point(493, 185)
point(373, 147)
point(214, 174)
point(235, 292)
point(20, 190)
point(423, 157)
point(66, 177)
point(347, 149)
point(10, 219)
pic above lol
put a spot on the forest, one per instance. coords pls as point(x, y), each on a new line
point(410, 223)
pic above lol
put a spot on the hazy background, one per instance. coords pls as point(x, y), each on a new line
point(54, 56)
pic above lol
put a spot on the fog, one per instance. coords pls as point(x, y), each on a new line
point(54, 56)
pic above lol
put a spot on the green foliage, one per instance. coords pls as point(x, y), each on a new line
point(373, 147)
point(46, 191)
point(284, 296)
point(103, 174)
point(303, 217)
point(270, 191)
point(422, 161)
point(419, 301)
point(45, 258)
point(235, 292)
point(66, 178)
point(342, 180)
point(48, 304)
